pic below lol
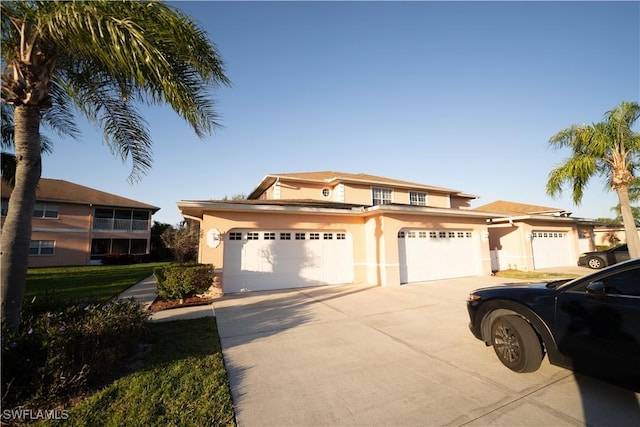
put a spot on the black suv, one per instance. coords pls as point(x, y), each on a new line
point(590, 324)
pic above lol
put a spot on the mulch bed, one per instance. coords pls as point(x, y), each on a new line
point(163, 304)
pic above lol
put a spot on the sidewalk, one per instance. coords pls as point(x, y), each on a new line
point(146, 291)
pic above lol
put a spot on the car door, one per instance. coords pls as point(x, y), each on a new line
point(598, 325)
point(621, 253)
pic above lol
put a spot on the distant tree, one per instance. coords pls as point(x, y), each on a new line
point(609, 221)
point(183, 241)
point(159, 250)
point(102, 59)
point(235, 197)
point(609, 149)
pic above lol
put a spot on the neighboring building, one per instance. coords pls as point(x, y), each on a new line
point(610, 234)
point(306, 229)
point(77, 225)
point(529, 237)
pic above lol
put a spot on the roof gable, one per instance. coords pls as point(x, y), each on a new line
point(514, 208)
point(57, 190)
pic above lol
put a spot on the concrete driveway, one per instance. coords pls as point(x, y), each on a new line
point(372, 356)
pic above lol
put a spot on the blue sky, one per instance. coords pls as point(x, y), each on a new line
point(463, 95)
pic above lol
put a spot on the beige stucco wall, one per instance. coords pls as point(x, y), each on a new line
point(514, 241)
point(356, 194)
point(374, 236)
point(602, 235)
point(71, 233)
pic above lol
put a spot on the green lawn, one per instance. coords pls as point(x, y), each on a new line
point(69, 284)
point(533, 275)
point(181, 381)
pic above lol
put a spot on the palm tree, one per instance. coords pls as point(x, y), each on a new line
point(7, 159)
point(102, 59)
point(634, 197)
point(609, 149)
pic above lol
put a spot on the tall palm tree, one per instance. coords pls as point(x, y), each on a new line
point(634, 197)
point(102, 59)
point(609, 149)
point(7, 159)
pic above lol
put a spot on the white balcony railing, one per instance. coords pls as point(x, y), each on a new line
point(120, 224)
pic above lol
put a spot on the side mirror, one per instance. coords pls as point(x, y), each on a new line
point(596, 290)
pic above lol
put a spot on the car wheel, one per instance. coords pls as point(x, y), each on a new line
point(595, 263)
point(516, 344)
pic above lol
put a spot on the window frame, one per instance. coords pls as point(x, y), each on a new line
point(42, 245)
point(418, 198)
point(381, 196)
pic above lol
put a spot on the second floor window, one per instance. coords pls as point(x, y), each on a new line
point(381, 196)
point(43, 210)
point(417, 199)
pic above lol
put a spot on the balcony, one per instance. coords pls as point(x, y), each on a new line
point(133, 225)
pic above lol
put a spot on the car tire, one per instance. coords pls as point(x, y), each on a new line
point(595, 263)
point(516, 344)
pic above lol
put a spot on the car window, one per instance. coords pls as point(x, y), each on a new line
point(623, 283)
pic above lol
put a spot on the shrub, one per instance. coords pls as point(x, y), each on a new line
point(58, 353)
point(182, 281)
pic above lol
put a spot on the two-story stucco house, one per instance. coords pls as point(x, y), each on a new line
point(77, 225)
point(307, 229)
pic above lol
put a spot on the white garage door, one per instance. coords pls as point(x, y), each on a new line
point(258, 260)
point(436, 254)
point(551, 249)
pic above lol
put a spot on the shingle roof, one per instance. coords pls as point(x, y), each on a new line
point(514, 208)
point(63, 191)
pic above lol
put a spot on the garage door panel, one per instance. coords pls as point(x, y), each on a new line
point(436, 254)
point(286, 259)
point(551, 249)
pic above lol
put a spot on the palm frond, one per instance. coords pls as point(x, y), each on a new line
point(124, 129)
point(155, 46)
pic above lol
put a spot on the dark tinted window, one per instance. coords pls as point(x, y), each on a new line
point(623, 283)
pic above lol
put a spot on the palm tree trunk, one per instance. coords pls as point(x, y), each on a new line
point(16, 230)
point(630, 230)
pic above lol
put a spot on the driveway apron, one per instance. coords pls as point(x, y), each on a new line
point(356, 355)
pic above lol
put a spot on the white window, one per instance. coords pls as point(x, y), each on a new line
point(328, 236)
point(341, 236)
point(269, 236)
point(234, 235)
point(300, 236)
point(314, 236)
point(41, 247)
point(418, 199)
point(381, 196)
point(252, 236)
point(285, 236)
